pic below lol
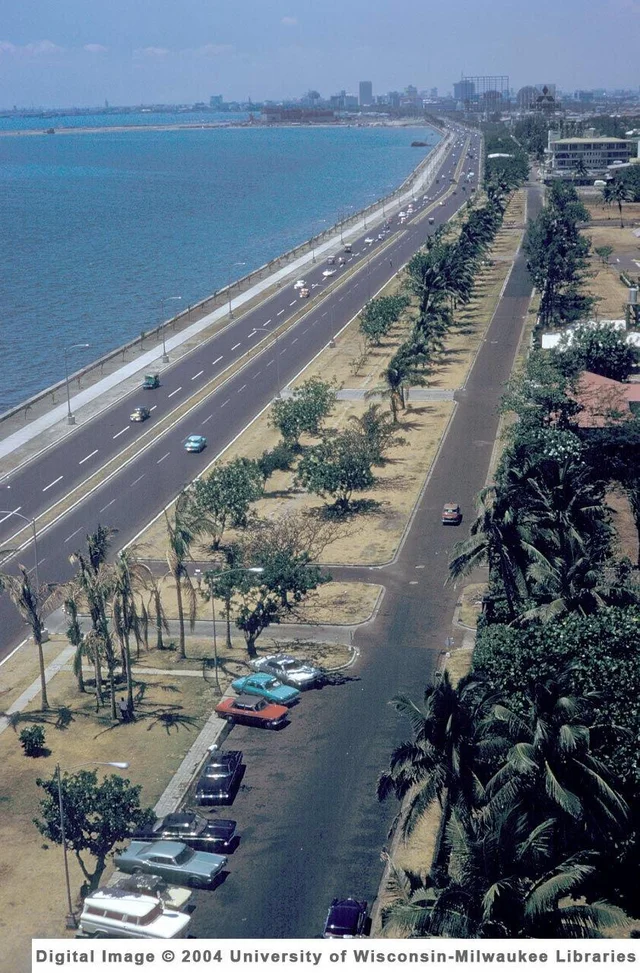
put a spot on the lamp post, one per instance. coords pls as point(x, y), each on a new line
point(163, 301)
point(70, 417)
point(71, 921)
point(279, 389)
point(28, 520)
point(236, 263)
point(313, 239)
point(212, 577)
point(343, 217)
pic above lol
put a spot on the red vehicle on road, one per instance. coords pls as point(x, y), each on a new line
point(254, 710)
point(451, 513)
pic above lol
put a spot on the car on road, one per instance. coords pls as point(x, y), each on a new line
point(441, 204)
point(368, 240)
point(115, 913)
point(451, 513)
point(380, 236)
point(173, 860)
point(289, 670)
point(203, 834)
point(151, 381)
point(140, 414)
point(300, 283)
point(195, 444)
point(220, 777)
point(304, 292)
point(252, 710)
point(328, 273)
point(331, 259)
point(431, 220)
point(262, 684)
point(346, 919)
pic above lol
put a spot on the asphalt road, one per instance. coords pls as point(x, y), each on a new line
point(145, 485)
point(310, 824)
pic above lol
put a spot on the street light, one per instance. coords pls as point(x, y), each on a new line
point(71, 921)
point(212, 577)
point(343, 217)
point(70, 418)
point(279, 391)
point(163, 301)
point(313, 239)
point(236, 263)
point(28, 520)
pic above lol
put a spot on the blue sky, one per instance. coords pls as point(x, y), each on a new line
point(131, 51)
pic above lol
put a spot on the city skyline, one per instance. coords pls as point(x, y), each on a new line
point(181, 53)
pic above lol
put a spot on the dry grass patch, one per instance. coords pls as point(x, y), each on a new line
point(624, 524)
point(471, 604)
point(21, 669)
point(598, 211)
point(234, 662)
point(458, 664)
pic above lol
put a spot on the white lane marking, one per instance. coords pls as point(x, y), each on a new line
point(219, 358)
point(107, 505)
point(53, 483)
point(324, 315)
point(197, 375)
point(87, 457)
point(207, 419)
point(281, 312)
point(314, 285)
point(292, 303)
point(163, 457)
point(294, 341)
point(270, 362)
point(242, 389)
point(305, 330)
point(121, 431)
point(357, 254)
point(252, 333)
point(153, 407)
point(236, 346)
point(258, 373)
point(175, 391)
point(266, 323)
point(141, 477)
point(10, 514)
point(67, 539)
point(226, 402)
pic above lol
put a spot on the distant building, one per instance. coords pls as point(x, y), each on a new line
point(366, 94)
point(433, 93)
point(394, 99)
point(594, 153)
point(526, 97)
point(300, 116)
point(215, 101)
point(464, 90)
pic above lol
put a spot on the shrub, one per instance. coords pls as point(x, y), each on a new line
point(32, 740)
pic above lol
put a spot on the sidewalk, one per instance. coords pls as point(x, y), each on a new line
point(103, 393)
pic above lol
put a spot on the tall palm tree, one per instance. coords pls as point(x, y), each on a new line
point(181, 532)
point(95, 580)
point(127, 582)
point(32, 605)
point(616, 192)
point(401, 372)
point(74, 633)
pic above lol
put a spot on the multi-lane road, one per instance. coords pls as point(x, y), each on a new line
point(145, 484)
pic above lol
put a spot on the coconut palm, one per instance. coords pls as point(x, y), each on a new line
point(74, 633)
point(181, 532)
point(32, 603)
point(128, 579)
point(616, 192)
point(402, 371)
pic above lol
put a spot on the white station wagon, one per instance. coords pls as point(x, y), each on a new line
point(124, 915)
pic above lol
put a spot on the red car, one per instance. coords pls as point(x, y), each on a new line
point(254, 710)
point(451, 513)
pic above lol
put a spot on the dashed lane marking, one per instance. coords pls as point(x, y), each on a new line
point(6, 517)
point(67, 539)
point(241, 389)
point(207, 419)
point(236, 346)
point(219, 358)
point(163, 457)
point(197, 375)
point(175, 392)
point(107, 505)
point(281, 312)
point(137, 480)
point(121, 431)
point(226, 402)
point(53, 483)
point(87, 457)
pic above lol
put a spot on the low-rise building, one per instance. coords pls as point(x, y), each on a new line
point(596, 154)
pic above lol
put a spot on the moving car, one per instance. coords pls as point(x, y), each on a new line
point(431, 220)
point(304, 292)
point(331, 259)
point(220, 777)
point(252, 710)
point(300, 283)
point(140, 414)
point(346, 919)
point(173, 860)
point(328, 273)
point(151, 381)
point(348, 248)
point(215, 834)
point(262, 684)
point(451, 513)
point(368, 239)
point(195, 444)
point(288, 670)
point(114, 912)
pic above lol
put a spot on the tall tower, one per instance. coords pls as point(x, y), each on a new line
point(366, 94)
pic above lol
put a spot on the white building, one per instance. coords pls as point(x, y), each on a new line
point(596, 154)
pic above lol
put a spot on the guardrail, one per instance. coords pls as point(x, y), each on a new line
point(113, 358)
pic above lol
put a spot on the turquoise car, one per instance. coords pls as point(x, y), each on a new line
point(263, 684)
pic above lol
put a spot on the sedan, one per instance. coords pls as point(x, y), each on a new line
point(328, 273)
point(451, 514)
point(195, 444)
point(140, 414)
point(172, 860)
point(300, 283)
point(220, 778)
point(288, 670)
point(346, 919)
point(368, 239)
point(262, 684)
point(253, 710)
point(192, 829)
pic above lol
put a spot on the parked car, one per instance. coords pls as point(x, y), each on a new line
point(220, 777)
point(253, 710)
point(451, 513)
point(288, 670)
point(195, 444)
point(173, 860)
point(262, 684)
point(214, 834)
point(140, 414)
point(174, 896)
point(346, 919)
point(328, 273)
point(151, 381)
point(116, 913)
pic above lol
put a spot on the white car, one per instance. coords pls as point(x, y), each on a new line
point(328, 273)
point(368, 239)
point(300, 283)
point(123, 915)
point(401, 214)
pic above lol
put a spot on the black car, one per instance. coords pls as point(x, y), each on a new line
point(195, 831)
point(346, 919)
point(220, 778)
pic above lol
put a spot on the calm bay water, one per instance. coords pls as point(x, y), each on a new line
point(97, 228)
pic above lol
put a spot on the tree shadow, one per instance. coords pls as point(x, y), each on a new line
point(336, 679)
point(172, 720)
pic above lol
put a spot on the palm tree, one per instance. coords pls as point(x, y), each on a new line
point(401, 372)
point(156, 608)
point(580, 170)
point(32, 606)
point(616, 192)
point(74, 633)
point(127, 581)
point(95, 581)
point(181, 532)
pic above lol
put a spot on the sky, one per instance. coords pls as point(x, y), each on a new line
point(83, 52)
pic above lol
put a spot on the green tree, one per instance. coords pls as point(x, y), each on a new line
point(337, 468)
point(604, 252)
point(601, 349)
point(304, 411)
point(223, 498)
point(287, 570)
point(617, 192)
point(128, 582)
point(260, 607)
point(182, 528)
point(32, 605)
point(378, 431)
point(97, 816)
